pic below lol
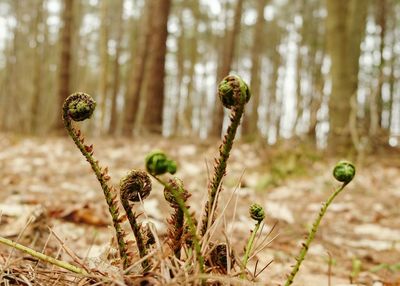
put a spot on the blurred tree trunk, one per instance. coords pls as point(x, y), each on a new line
point(229, 43)
point(65, 61)
point(139, 60)
point(273, 103)
point(316, 96)
point(275, 35)
point(304, 61)
point(392, 75)
point(376, 100)
point(186, 127)
point(116, 78)
point(251, 118)
point(180, 61)
point(153, 112)
point(103, 79)
point(38, 63)
point(345, 29)
point(316, 53)
point(11, 87)
point(299, 95)
point(381, 20)
point(80, 68)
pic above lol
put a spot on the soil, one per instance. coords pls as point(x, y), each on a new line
point(47, 190)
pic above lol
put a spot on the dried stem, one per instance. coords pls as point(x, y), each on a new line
point(42, 256)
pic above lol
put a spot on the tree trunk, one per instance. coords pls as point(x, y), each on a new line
point(153, 115)
point(273, 106)
point(140, 59)
point(345, 27)
point(186, 128)
point(251, 119)
point(180, 62)
point(382, 11)
point(38, 62)
point(116, 79)
point(392, 79)
point(65, 62)
point(225, 68)
point(316, 96)
point(103, 79)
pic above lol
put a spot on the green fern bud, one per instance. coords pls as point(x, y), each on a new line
point(257, 212)
point(233, 91)
point(157, 163)
point(79, 106)
point(344, 171)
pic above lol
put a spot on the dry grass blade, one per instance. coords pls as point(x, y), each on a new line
point(74, 257)
point(211, 229)
point(40, 256)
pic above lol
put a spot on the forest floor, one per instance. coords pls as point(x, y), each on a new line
point(47, 187)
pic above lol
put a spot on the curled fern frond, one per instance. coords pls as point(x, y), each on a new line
point(257, 212)
point(173, 190)
point(157, 163)
point(135, 186)
point(344, 172)
point(228, 94)
point(79, 106)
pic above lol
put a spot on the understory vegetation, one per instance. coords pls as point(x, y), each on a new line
point(195, 250)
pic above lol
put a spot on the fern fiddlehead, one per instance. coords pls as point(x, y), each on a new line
point(234, 94)
point(80, 106)
point(135, 186)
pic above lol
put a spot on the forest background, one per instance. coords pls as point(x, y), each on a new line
point(324, 78)
point(325, 71)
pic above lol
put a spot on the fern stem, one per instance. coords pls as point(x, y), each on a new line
point(189, 221)
point(234, 94)
point(249, 246)
point(311, 236)
point(87, 151)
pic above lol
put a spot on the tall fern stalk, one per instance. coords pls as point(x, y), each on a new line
point(343, 172)
point(78, 107)
point(234, 94)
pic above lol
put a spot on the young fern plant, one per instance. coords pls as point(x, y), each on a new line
point(234, 94)
point(157, 163)
point(173, 192)
point(134, 187)
point(256, 213)
point(182, 231)
point(344, 172)
point(77, 107)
